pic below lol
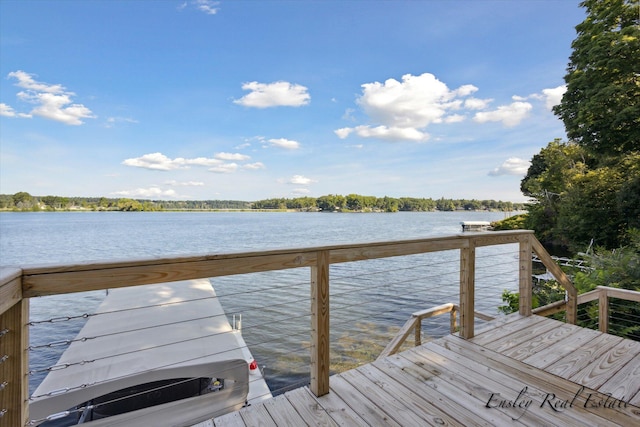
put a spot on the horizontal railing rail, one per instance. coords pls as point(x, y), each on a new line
point(415, 324)
point(17, 285)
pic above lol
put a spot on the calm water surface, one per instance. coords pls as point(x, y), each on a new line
point(369, 299)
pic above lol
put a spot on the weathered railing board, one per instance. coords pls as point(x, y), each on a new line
point(525, 272)
point(10, 288)
point(13, 368)
point(565, 282)
point(53, 283)
point(498, 238)
point(320, 325)
point(396, 249)
point(50, 280)
point(467, 290)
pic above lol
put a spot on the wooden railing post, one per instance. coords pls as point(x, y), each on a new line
point(467, 288)
point(525, 278)
point(14, 363)
point(453, 323)
point(553, 268)
point(603, 310)
point(320, 325)
point(14, 356)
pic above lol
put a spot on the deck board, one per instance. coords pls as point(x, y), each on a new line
point(564, 371)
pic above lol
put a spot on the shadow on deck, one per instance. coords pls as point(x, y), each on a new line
point(517, 370)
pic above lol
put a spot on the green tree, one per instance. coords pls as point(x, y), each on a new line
point(23, 200)
point(601, 107)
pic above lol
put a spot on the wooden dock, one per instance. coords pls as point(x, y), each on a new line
point(517, 370)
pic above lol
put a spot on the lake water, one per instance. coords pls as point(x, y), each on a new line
point(369, 300)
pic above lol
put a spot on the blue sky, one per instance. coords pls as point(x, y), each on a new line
point(249, 100)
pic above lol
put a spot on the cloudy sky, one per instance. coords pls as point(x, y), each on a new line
point(249, 100)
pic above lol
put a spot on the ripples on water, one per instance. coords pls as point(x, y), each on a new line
point(370, 300)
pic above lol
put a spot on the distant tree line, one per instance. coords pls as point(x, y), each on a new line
point(25, 202)
point(359, 203)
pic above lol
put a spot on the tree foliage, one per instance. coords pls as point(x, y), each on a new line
point(601, 107)
point(588, 189)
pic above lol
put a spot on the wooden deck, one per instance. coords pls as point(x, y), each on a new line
point(517, 370)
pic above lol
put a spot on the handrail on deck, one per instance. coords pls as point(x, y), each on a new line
point(415, 324)
point(18, 285)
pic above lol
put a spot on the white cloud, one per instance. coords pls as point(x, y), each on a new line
point(232, 156)
point(415, 102)
point(224, 168)
point(7, 111)
point(159, 161)
point(454, 118)
point(476, 103)
point(285, 143)
point(52, 102)
point(302, 191)
point(402, 110)
point(254, 166)
point(300, 180)
point(553, 96)
point(343, 132)
point(112, 121)
point(510, 115)
point(185, 183)
point(147, 193)
point(511, 166)
point(278, 94)
point(207, 6)
point(391, 133)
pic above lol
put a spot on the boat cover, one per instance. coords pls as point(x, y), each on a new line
point(145, 334)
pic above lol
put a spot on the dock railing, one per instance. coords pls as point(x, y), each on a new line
point(18, 285)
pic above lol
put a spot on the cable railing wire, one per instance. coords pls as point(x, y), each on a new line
point(348, 285)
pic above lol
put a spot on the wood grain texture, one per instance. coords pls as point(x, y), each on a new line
point(450, 381)
point(10, 288)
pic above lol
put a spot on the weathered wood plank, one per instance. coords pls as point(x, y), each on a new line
point(607, 365)
point(381, 397)
point(581, 358)
point(562, 388)
point(625, 384)
point(516, 338)
point(562, 348)
point(536, 345)
point(232, 419)
point(494, 385)
point(282, 412)
point(370, 413)
point(431, 414)
point(339, 411)
point(496, 323)
point(415, 379)
point(258, 416)
point(308, 408)
point(10, 288)
point(505, 329)
point(443, 389)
